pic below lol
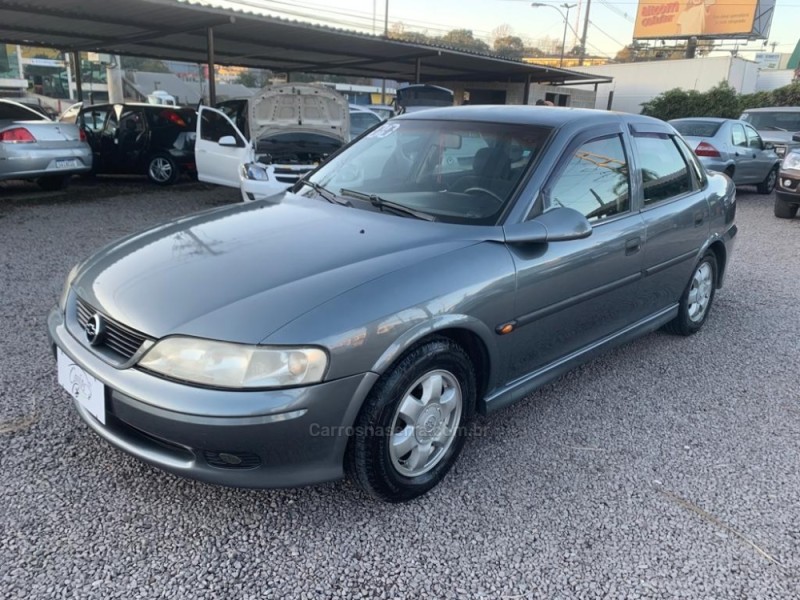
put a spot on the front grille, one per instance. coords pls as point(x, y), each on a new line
point(118, 338)
point(291, 174)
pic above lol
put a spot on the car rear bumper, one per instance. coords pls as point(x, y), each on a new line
point(19, 162)
point(260, 439)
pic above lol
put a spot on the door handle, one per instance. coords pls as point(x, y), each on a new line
point(698, 219)
point(633, 245)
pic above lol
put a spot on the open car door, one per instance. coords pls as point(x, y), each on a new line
point(220, 148)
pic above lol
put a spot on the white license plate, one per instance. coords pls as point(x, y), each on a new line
point(67, 163)
point(88, 391)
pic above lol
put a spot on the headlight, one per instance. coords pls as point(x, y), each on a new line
point(255, 171)
point(62, 300)
point(792, 160)
point(236, 366)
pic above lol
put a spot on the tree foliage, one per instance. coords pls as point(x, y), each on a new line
point(720, 101)
point(510, 46)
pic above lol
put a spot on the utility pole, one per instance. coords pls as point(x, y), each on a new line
point(386, 35)
point(585, 31)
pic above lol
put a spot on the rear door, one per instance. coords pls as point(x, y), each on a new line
point(220, 148)
point(741, 154)
point(675, 210)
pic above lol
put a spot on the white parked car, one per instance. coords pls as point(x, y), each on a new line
point(265, 143)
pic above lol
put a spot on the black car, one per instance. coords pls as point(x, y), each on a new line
point(150, 139)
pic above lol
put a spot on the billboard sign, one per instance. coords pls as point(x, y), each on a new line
point(682, 19)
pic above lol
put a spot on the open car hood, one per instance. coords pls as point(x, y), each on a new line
point(299, 107)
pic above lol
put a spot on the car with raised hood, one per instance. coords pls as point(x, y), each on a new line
point(777, 125)
point(264, 144)
point(448, 262)
point(732, 147)
point(138, 139)
point(35, 148)
point(787, 194)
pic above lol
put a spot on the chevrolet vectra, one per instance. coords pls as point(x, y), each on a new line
point(449, 261)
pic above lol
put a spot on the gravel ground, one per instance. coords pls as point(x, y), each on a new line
point(665, 469)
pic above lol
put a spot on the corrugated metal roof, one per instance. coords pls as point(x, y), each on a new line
point(176, 30)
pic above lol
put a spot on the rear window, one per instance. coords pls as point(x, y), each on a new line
point(15, 112)
point(774, 121)
point(183, 118)
point(696, 128)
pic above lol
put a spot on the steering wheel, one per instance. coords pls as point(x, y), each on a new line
point(485, 191)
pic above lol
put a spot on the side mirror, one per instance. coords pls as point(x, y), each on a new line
point(769, 146)
point(796, 137)
point(228, 141)
point(556, 225)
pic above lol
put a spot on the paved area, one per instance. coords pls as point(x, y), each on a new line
point(669, 468)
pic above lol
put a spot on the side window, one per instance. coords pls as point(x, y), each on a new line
point(737, 135)
point(132, 123)
point(753, 139)
point(215, 126)
point(94, 119)
point(595, 181)
point(665, 173)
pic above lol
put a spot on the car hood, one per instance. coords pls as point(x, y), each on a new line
point(776, 137)
point(242, 272)
point(304, 107)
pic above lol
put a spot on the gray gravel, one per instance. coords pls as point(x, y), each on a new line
point(666, 469)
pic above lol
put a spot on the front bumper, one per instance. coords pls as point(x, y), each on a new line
point(281, 438)
point(788, 188)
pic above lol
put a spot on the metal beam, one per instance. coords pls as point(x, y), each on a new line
point(212, 82)
point(76, 65)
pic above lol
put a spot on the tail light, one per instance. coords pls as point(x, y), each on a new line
point(17, 135)
point(706, 149)
point(173, 117)
point(81, 134)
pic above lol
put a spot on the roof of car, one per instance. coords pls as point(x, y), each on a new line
point(775, 109)
point(519, 114)
point(703, 119)
point(137, 104)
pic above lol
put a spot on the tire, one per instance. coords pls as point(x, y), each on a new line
point(766, 186)
point(53, 183)
point(784, 209)
point(697, 298)
point(162, 169)
point(730, 172)
point(395, 466)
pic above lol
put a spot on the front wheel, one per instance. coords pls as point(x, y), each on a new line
point(784, 209)
point(697, 298)
point(162, 170)
point(411, 428)
point(766, 186)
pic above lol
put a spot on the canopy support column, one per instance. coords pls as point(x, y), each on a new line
point(212, 78)
point(76, 64)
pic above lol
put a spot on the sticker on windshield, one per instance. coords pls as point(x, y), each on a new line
point(384, 130)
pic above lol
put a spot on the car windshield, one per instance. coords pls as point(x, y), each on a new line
point(454, 171)
point(776, 121)
point(696, 128)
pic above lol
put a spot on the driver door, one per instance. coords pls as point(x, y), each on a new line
point(220, 148)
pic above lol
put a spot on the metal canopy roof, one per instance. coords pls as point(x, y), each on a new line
point(177, 30)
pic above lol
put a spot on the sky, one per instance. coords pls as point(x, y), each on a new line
point(611, 25)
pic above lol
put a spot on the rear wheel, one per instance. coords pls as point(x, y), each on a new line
point(784, 209)
point(697, 298)
point(410, 429)
point(52, 183)
point(729, 172)
point(766, 186)
point(162, 170)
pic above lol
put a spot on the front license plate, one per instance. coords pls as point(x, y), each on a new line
point(67, 163)
point(88, 391)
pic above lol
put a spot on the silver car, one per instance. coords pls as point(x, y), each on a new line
point(734, 148)
point(448, 262)
point(34, 147)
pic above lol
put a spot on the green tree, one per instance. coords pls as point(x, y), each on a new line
point(464, 39)
point(510, 46)
point(138, 63)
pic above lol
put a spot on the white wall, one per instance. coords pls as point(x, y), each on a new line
point(770, 79)
point(515, 92)
point(635, 83)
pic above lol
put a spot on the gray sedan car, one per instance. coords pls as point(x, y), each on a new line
point(449, 262)
point(734, 148)
point(34, 147)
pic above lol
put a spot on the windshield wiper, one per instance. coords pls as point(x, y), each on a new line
point(327, 194)
point(381, 203)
